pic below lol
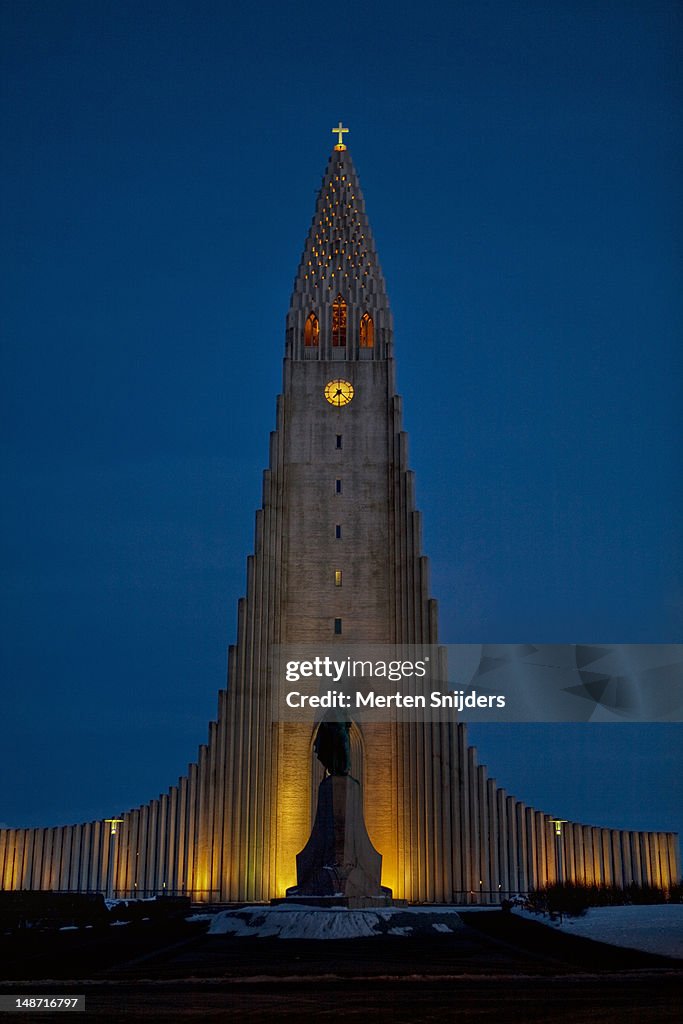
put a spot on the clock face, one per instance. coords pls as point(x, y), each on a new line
point(339, 392)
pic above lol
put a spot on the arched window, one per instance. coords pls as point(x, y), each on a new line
point(311, 331)
point(367, 331)
point(338, 322)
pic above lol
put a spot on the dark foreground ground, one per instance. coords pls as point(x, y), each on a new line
point(499, 969)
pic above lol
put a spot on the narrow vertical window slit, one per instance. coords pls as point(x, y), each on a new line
point(311, 331)
point(367, 331)
point(338, 322)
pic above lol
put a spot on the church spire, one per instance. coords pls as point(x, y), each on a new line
point(339, 307)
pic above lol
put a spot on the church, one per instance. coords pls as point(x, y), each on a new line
point(338, 559)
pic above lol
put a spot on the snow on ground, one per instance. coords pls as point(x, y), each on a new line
point(110, 904)
point(655, 929)
point(298, 922)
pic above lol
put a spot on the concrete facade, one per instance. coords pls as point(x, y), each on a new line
point(338, 496)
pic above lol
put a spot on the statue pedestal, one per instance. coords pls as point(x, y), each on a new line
point(339, 863)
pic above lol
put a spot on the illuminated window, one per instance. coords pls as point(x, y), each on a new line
point(367, 331)
point(337, 577)
point(339, 440)
point(337, 627)
point(337, 486)
point(311, 331)
point(337, 531)
point(338, 322)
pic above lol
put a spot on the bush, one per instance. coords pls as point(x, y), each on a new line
point(563, 898)
point(574, 899)
point(676, 893)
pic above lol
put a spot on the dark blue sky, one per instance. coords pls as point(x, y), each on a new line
point(521, 166)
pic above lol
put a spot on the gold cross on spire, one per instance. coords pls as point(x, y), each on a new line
point(339, 131)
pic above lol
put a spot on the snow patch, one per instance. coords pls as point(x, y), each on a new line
point(652, 929)
point(111, 903)
point(294, 921)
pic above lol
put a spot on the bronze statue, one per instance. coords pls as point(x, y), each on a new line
point(333, 748)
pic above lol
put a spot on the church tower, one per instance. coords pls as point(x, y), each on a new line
point(337, 559)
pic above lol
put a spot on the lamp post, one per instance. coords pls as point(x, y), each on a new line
point(559, 849)
point(112, 822)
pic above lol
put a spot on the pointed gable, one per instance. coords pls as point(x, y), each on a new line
point(339, 259)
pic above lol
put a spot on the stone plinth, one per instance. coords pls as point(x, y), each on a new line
point(339, 860)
